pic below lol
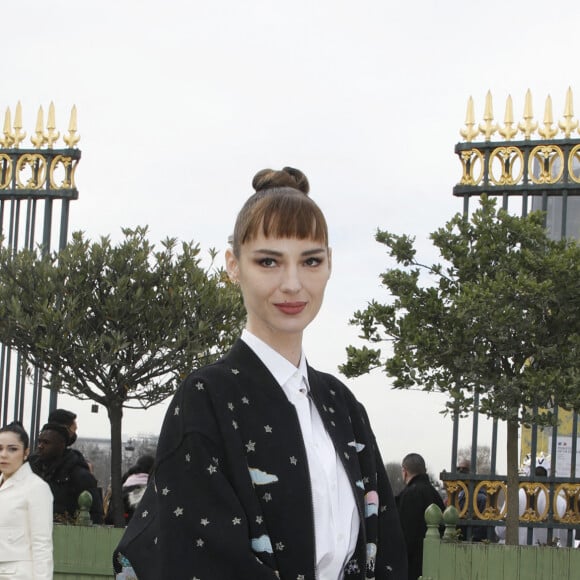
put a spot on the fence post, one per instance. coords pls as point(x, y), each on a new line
point(85, 502)
point(450, 518)
point(431, 544)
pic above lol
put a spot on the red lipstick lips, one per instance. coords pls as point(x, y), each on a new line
point(291, 307)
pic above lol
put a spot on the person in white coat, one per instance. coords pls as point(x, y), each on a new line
point(25, 512)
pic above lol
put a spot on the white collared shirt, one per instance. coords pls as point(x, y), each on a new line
point(336, 518)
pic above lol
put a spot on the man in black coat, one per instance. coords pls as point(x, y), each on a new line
point(67, 473)
point(412, 502)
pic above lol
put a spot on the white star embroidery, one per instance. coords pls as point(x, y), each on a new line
point(259, 519)
point(366, 479)
point(145, 514)
point(204, 522)
point(235, 372)
point(199, 543)
point(215, 460)
point(165, 491)
point(293, 460)
point(346, 455)
point(333, 423)
point(212, 469)
point(279, 546)
point(267, 496)
point(187, 457)
point(332, 392)
point(199, 385)
point(330, 410)
point(176, 411)
point(250, 446)
point(383, 508)
point(267, 428)
point(236, 521)
point(178, 511)
point(245, 400)
point(231, 406)
point(235, 424)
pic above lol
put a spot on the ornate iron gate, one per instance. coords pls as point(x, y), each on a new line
point(35, 183)
point(539, 171)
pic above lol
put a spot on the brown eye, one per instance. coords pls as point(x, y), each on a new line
point(267, 262)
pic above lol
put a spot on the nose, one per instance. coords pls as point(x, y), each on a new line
point(291, 282)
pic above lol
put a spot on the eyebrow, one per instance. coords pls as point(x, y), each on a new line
point(306, 253)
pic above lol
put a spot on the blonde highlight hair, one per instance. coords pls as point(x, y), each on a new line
point(280, 208)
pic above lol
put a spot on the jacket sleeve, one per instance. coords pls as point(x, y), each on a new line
point(191, 523)
point(203, 528)
point(40, 526)
point(392, 554)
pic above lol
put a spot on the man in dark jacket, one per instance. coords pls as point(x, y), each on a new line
point(66, 472)
point(412, 502)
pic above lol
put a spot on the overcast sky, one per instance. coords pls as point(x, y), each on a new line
point(181, 102)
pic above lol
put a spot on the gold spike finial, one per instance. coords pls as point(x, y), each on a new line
point(72, 139)
point(52, 135)
point(488, 128)
point(470, 132)
point(528, 126)
point(548, 131)
point(18, 135)
point(40, 138)
point(508, 130)
point(568, 124)
point(8, 135)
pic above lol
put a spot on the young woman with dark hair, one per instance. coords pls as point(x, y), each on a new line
point(266, 468)
point(25, 512)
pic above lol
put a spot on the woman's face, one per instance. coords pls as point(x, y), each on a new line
point(282, 282)
point(12, 453)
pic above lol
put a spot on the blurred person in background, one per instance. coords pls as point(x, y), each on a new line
point(67, 473)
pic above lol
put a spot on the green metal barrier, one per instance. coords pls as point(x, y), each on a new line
point(84, 552)
point(444, 559)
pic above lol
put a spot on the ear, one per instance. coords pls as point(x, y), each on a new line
point(329, 262)
point(232, 265)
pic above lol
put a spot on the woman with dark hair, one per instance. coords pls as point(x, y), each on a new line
point(25, 511)
point(267, 469)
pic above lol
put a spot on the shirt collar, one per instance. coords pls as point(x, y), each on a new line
point(280, 368)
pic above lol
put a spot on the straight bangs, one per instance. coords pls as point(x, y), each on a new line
point(287, 215)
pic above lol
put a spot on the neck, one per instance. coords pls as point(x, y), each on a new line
point(289, 345)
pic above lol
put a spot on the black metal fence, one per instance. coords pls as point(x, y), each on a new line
point(526, 175)
point(36, 188)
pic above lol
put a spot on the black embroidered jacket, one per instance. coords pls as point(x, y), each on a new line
point(231, 496)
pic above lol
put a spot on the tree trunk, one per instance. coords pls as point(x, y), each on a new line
point(513, 504)
point(116, 419)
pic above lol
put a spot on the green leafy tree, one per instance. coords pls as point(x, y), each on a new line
point(119, 325)
point(498, 320)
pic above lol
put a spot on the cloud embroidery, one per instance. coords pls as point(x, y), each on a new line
point(260, 477)
point(358, 446)
point(262, 544)
point(371, 504)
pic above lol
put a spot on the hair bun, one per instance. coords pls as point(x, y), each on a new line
point(287, 177)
